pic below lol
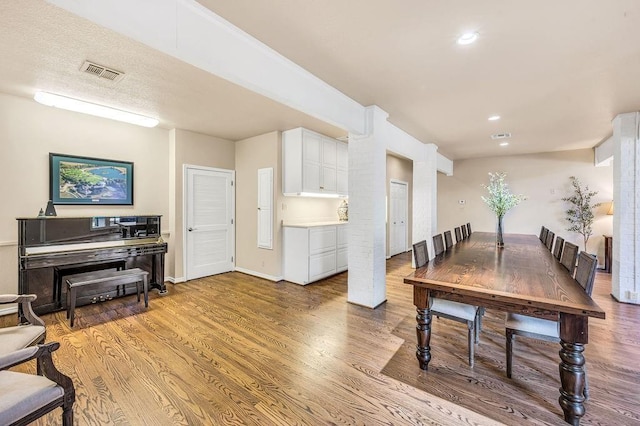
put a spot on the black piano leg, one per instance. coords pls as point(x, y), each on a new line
point(157, 272)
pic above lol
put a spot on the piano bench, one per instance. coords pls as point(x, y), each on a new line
point(63, 270)
point(105, 278)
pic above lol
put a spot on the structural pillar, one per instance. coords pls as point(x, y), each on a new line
point(625, 283)
point(367, 210)
point(425, 195)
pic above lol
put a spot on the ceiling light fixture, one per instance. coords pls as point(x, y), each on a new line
point(76, 105)
point(494, 118)
point(467, 38)
point(504, 143)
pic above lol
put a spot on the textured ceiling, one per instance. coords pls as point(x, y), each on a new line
point(557, 72)
point(43, 48)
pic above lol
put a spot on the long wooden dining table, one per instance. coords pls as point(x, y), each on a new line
point(522, 277)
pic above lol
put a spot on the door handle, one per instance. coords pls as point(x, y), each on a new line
point(190, 229)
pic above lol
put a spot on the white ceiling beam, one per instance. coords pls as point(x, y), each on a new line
point(604, 153)
point(192, 33)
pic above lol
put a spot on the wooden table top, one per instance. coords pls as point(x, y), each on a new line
point(523, 273)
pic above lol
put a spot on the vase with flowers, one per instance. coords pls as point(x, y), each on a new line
point(500, 200)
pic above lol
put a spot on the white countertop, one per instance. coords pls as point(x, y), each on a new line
point(313, 224)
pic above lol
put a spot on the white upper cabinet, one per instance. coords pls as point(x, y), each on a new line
point(313, 163)
point(342, 167)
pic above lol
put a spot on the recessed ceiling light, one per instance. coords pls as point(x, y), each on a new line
point(504, 143)
point(468, 38)
point(494, 118)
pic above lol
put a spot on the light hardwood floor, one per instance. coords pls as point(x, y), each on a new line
point(234, 349)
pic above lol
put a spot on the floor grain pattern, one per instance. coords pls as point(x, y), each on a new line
point(233, 349)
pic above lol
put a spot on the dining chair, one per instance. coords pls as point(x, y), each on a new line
point(569, 256)
point(458, 234)
point(438, 244)
point(586, 271)
point(448, 240)
point(465, 235)
point(460, 312)
point(548, 330)
point(26, 397)
point(549, 240)
point(557, 250)
point(545, 231)
point(469, 228)
point(30, 331)
point(542, 228)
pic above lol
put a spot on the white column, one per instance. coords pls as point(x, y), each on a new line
point(367, 201)
point(625, 283)
point(425, 195)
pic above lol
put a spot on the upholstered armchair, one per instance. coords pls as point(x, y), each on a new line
point(24, 334)
point(26, 397)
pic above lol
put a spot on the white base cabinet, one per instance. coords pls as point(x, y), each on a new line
point(314, 252)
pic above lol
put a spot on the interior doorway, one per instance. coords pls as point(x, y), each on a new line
point(398, 216)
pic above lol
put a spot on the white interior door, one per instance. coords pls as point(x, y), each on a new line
point(209, 221)
point(398, 208)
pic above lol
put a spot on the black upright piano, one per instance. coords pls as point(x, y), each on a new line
point(51, 247)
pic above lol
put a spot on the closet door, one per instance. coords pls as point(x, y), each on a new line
point(265, 208)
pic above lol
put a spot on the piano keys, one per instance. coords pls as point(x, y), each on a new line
point(51, 246)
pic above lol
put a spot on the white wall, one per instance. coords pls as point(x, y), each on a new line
point(30, 131)
point(543, 178)
point(253, 154)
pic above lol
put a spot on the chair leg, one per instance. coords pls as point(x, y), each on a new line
point(481, 311)
point(67, 416)
point(471, 325)
point(509, 335)
point(478, 324)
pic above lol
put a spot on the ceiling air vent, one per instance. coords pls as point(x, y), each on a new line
point(101, 71)
point(501, 135)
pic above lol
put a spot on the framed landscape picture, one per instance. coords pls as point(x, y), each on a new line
point(86, 180)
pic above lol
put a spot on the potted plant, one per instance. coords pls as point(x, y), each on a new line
point(580, 212)
point(500, 200)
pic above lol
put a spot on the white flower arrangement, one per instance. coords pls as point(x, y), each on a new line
point(500, 199)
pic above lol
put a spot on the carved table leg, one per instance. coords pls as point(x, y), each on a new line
point(423, 329)
point(572, 379)
point(573, 336)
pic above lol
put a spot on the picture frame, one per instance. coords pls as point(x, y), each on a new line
point(75, 180)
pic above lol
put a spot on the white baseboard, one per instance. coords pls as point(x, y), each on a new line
point(173, 280)
point(259, 274)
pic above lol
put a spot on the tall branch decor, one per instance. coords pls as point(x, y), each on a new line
point(580, 212)
point(500, 200)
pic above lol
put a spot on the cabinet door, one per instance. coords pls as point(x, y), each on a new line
point(322, 265)
point(342, 175)
point(311, 162)
point(322, 239)
point(341, 259)
point(329, 166)
point(342, 249)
